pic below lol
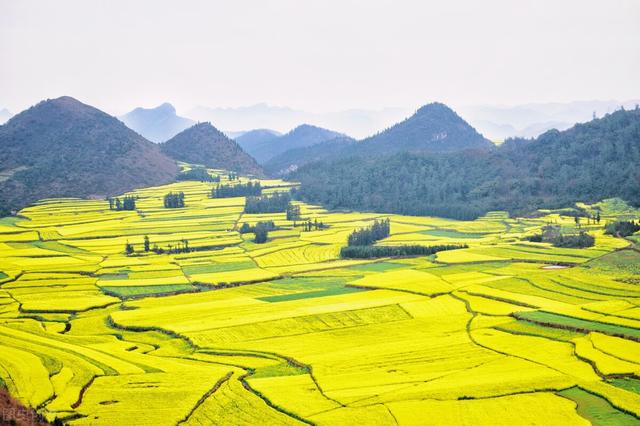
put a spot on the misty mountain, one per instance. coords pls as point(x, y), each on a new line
point(157, 124)
point(206, 145)
point(252, 139)
point(302, 136)
point(357, 122)
point(5, 115)
point(290, 160)
point(64, 148)
point(531, 120)
point(588, 163)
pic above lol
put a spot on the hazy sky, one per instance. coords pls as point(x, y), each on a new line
point(317, 55)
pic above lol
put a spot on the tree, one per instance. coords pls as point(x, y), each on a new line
point(174, 200)
point(261, 232)
point(146, 243)
point(293, 212)
point(128, 249)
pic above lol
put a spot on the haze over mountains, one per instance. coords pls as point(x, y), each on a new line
point(64, 148)
point(157, 124)
point(5, 115)
point(434, 128)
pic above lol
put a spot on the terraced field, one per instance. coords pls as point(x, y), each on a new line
point(502, 332)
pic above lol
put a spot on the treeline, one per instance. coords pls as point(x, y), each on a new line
point(181, 246)
point(239, 190)
point(623, 228)
point(127, 203)
point(589, 162)
point(274, 203)
point(174, 200)
point(199, 174)
point(367, 236)
point(552, 234)
point(372, 252)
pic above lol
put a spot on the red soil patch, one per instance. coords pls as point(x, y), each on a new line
point(12, 413)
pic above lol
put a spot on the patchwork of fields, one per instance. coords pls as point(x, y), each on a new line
point(505, 331)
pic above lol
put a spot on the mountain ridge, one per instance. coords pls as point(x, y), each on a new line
point(157, 124)
point(64, 148)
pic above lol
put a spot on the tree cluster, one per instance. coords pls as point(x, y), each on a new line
point(239, 190)
point(372, 252)
point(174, 200)
point(293, 212)
point(274, 203)
point(198, 174)
point(552, 234)
point(127, 203)
point(367, 236)
point(247, 229)
point(261, 231)
point(622, 228)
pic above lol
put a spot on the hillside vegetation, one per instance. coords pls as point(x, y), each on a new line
point(206, 145)
point(588, 162)
point(64, 148)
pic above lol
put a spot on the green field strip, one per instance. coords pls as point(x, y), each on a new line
point(311, 294)
point(126, 292)
point(598, 410)
point(582, 326)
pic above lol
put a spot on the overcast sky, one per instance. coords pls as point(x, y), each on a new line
point(324, 55)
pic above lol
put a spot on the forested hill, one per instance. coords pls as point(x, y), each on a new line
point(206, 145)
point(302, 136)
point(64, 148)
point(433, 128)
point(588, 162)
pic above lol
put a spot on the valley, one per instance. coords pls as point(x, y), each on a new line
point(206, 326)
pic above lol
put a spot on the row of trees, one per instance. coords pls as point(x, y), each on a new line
point(274, 203)
point(239, 190)
point(199, 174)
point(367, 236)
point(174, 200)
point(293, 212)
point(315, 225)
point(623, 228)
point(181, 246)
point(127, 203)
point(371, 252)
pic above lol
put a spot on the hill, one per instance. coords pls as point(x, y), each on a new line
point(64, 148)
point(292, 159)
point(300, 137)
point(156, 124)
point(433, 128)
point(588, 162)
point(206, 145)
point(252, 139)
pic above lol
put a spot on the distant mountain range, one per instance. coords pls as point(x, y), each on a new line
point(354, 122)
point(206, 145)
point(64, 148)
point(588, 162)
point(302, 136)
point(157, 124)
point(531, 120)
point(434, 128)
